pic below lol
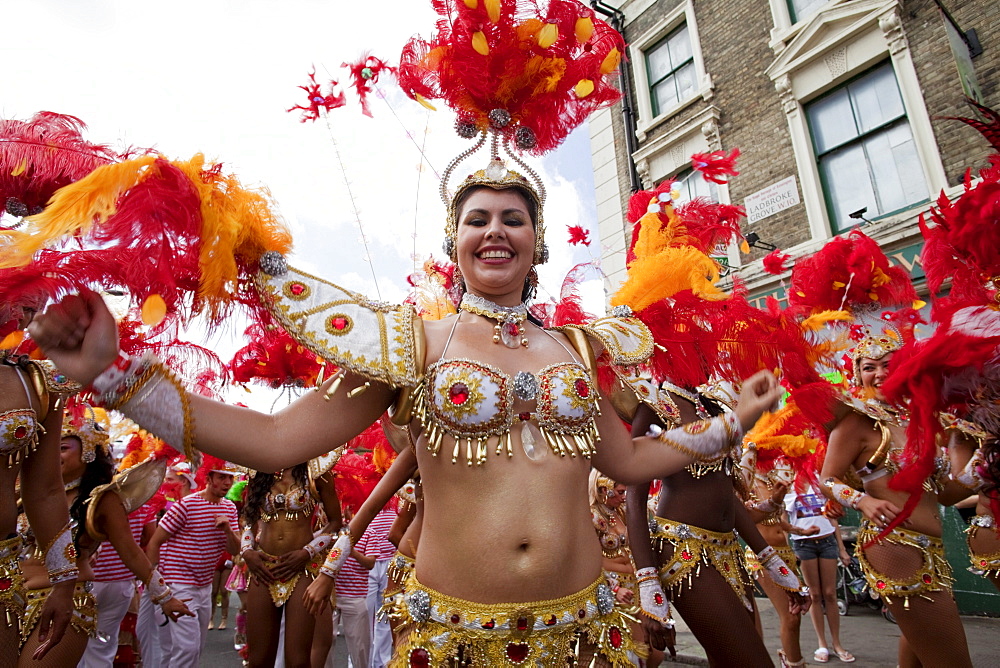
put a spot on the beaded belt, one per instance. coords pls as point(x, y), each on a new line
point(934, 574)
point(983, 563)
point(84, 617)
point(437, 628)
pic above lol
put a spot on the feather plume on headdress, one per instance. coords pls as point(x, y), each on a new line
point(548, 70)
point(787, 433)
point(435, 294)
point(569, 309)
point(181, 234)
point(275, 359)
point(41, 155)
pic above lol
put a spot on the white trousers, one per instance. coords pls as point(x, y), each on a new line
point(147, 630)
point(113, 599)
point(181, 642)
point(381, 634)
point(354, 618)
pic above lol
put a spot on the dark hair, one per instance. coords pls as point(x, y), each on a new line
point(991, 455)
point(259, 487)
point(96, 473)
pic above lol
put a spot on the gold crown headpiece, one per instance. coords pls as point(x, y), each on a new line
point(90, 428)
point(495, 176)
point(875, 348)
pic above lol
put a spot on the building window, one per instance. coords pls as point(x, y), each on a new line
point(864, 148)
point(670, 70)
point(800, 10)
point(691, 184)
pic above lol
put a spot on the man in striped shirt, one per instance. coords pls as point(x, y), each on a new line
point(187, 544)
point(377, 581)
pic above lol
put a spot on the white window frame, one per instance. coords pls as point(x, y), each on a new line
point(833, 46)
point(704, 88)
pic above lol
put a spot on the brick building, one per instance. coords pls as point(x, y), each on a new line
point(835, 106)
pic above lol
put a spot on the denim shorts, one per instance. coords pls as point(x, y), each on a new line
point(816, 548)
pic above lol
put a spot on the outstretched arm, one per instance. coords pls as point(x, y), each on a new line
point(633, 461)
point(79, 334)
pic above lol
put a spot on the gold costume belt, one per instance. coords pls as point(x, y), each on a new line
point(437, 629)
point(11, 582)
point(693, 547)
point(400, 567)
point(933, 575)
point(987, 564)
point(281, 590)
point(84, 617)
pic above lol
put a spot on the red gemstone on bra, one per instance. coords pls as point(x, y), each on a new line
point(458, 393)
point(880, 584)
point(615, 636)
point(726, 567)
point(551, 621)
point(522, 623)
point(581, 387)
point(339, 323)
point(517, 652)
point(524, 417)
point(927, 578)
point(685, 555)
point(582, 613)
point(490, 624)
point(984, 563)
point(783, 570)
point(455, 619)
point(297, 289)
point(419, 658)
point(5, 584)
point(20, 432)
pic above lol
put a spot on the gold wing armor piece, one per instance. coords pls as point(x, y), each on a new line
point(627, 340)
point(380, 341)
point(46, 380)
point(135, 486)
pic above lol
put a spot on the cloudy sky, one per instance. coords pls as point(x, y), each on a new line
point(216, 77)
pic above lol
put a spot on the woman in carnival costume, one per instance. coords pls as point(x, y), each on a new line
point(98, 509)
point(283, 556)
point(695, 558)
point(499, 409)
point(906, 566)
point(955, 373)
point(37, 157)
point(607, 508)
point(768, 472)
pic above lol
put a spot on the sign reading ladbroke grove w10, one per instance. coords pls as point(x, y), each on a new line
point(776, 197)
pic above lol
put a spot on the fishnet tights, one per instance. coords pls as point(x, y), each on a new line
point(9, 641)
point(932, 628)
point(66, 653)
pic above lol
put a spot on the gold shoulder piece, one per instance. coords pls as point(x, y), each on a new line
point(637, 387)
point(134, 486)
point(627, 340)
point(320, 466)
point(402, 411)
point(370, 338)
point(47, 380)
point(578, 338)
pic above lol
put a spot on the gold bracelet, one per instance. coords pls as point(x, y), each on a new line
point(140, 381)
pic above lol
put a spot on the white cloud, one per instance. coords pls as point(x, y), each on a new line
point(216, 77)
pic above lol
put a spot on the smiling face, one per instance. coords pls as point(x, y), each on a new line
point(873, 373)
point(496, 244)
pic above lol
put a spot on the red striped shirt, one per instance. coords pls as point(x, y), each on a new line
point(190, 554)
point(380, 528)
point(109, 567)
point(352, 579)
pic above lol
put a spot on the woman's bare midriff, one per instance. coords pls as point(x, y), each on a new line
point(511, 530)
point(773, 534)
point(705, 502)
point(281, 536)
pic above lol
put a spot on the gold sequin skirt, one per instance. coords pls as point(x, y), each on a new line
point(84, 617)
point(440, 630)
point(694, 547)
point(933, 575)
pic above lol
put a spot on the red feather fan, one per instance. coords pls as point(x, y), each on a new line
point(274, 359)
point(548, 70)
point(716, 164)
point(319, 103)
point(774, 262)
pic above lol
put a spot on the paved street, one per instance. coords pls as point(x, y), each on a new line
point(864, 631)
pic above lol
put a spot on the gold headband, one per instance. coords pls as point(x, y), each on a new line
point(92, 433)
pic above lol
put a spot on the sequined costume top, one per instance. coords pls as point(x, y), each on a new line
point(20, 428)
point(292, 504)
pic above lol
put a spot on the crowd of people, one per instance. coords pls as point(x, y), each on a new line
point(510, 484)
